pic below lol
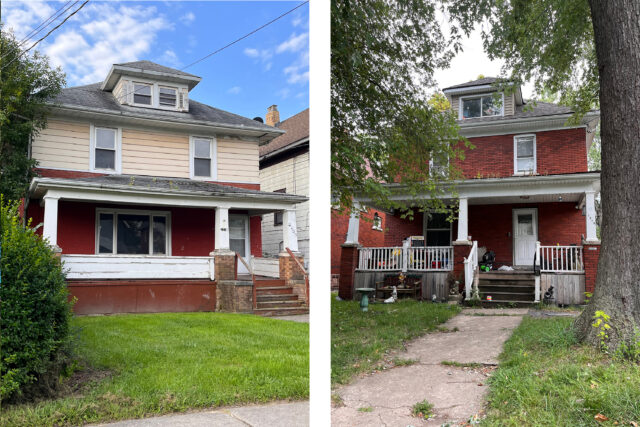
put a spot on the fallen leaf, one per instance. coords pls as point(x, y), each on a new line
point(601, 418)
point(634, 424)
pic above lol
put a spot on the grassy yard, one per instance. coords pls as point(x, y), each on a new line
point(546, 378)
point(160, 363)
point(359, 340)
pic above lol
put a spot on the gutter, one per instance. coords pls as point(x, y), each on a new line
point(584, 121)
point(284, 149)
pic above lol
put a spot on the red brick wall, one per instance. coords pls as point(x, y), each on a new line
point(591, 255)
point(366, 234)
point(557, 152)
point(397, 228)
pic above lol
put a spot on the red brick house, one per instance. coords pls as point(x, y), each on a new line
point(153, 199)
point(527, 195)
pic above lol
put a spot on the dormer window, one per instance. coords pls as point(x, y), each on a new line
point(142, 93)
point(168, 97)
point(480, 106)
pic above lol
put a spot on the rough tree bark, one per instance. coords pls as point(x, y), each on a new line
point(617, 292)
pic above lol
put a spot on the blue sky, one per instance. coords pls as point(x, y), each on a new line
point(269, 67)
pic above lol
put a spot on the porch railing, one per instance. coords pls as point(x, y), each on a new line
point(470, 267)
point(558, 259)
point(398, 258)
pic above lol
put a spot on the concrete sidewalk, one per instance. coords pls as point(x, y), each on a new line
point(456, 392)
point(292, 414)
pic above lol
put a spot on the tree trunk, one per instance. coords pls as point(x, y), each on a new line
point(617, 291)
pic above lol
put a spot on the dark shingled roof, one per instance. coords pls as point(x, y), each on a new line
point(479, 82)
point(91, 96)
point(152, 66)
point(530, 109)
point(150, 183)
point(297, 128)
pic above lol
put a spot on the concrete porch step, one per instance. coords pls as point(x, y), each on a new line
point(281, 311)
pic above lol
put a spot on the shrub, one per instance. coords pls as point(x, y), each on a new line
point(34, 311)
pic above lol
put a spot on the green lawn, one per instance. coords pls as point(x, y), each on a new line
point(359, 340)
point(162, 363)
point(546, 378)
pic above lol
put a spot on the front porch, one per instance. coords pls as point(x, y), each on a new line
point(143, 244)
point(541, 224)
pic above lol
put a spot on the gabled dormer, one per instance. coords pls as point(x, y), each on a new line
point(150, 85)
point(482, 98)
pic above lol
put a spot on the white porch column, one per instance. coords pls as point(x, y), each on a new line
point(50, 228)
point(590, 216)
point(290, 230)
point(354, 226)
point(222, 229)
point(463, 221)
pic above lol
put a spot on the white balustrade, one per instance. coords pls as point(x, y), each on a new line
point(396, 258)
point(557, 259)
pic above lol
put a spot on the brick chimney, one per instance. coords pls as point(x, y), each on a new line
point(273, 115)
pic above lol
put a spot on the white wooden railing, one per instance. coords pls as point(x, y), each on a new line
point(398, 258)
point(138, 267)
point(557, 259)
point(470, 267)
point(268, 267)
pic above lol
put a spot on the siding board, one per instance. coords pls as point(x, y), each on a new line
point(63, 145)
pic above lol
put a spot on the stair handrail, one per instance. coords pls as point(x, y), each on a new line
point(253, 279)
point(304, 272)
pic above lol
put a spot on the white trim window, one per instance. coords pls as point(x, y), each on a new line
point(239, 234)
point(438, 167)
point(203, 158)
point(105, 143)
point(143, 94)
point(524, 154)
point(377, 222)
point(476, 106)
point(133, 232)
point(167, 97)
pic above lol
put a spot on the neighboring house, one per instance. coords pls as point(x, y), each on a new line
point(284, 168)
point(149, 195)
point(527, 195)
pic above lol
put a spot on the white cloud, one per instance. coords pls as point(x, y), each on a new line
point(169, 58)
point(251, 52)
point(294, 43)
point(22, 17)
point(234, 90)
point(100, 35)
point(298, 71)
point(284, 93)
point(261, 55)
point(187, 18)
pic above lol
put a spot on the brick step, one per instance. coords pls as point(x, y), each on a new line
point(269, 283)
point(263, 297)
point(267, 312)
point(271, 290)
point(279, 304)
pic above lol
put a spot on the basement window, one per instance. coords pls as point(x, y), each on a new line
point(132, 232)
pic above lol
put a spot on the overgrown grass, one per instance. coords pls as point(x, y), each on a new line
point(546, 378)
point(359, 339)
point(161, 363)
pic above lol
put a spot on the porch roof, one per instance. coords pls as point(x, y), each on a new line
point(513, 189)
point(150, 190)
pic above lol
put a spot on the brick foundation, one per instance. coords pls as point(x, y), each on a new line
point(234, 296)
point(289, 270)
point(591, 255)
point(225, 265)
point(348, 264)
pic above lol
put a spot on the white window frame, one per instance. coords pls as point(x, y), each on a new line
point(425, 228)
point(480, 95)
point(115, 213)
point(133, 95)
point(167, 107)
point(247, 230)
point(515, 155)
point(375, 226)
point(92, 149)
point(214, 158)
point(440, 170)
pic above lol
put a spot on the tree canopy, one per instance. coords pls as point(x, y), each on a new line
point(26, 83)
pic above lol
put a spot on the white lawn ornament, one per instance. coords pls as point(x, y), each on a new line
point(393, 298)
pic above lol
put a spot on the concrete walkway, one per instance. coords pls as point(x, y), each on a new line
point(457, 393)
point(292, 414)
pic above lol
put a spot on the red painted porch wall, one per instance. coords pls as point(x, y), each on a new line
point(366, 234)
point(557, 152)
point(255, 233)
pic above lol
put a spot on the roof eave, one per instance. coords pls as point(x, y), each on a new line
point(117, 70)
point(286, 148)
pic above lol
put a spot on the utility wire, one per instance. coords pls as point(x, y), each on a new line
point(46, 35)
point(46, 23)
point(227, 45)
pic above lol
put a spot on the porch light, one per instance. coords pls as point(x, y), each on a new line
point(559, 198)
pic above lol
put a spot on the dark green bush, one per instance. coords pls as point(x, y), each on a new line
point(34, 311)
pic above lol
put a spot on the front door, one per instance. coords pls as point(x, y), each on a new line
point(525, 235)
point(239, 239)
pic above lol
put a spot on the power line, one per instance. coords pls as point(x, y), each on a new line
point(229, 44)
point(46, 23)
point(46, 35)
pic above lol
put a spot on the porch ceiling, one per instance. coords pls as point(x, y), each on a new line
point(540, 198)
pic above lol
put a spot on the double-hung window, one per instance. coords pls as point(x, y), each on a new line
point(480, 106)
point(132, 232)
point(524, 154)
point(105, 147)
point(142, 93)
point(438, 231)
point(203, 161)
